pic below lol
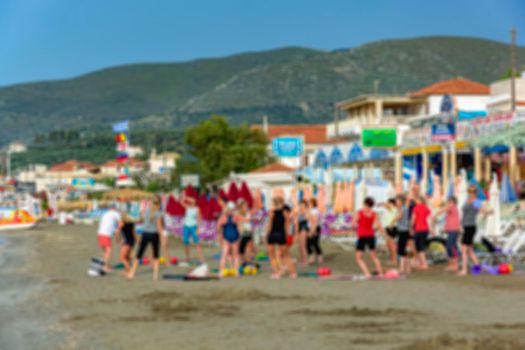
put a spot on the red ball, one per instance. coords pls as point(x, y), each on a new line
point(145, 261)
point(174, 260)
point(503, 269)
point(324, 271)
point(289, 240)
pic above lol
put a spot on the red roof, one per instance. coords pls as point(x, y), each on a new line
point(455, 86)
point(312, 133)
point(273, 168)
point(72, 165)
point(115, 164)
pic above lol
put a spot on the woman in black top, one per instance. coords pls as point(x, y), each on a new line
point(127, 242)
point(278, 224)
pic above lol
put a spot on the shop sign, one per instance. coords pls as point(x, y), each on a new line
point(379, 137)
point(287, 146)
point(442, 132)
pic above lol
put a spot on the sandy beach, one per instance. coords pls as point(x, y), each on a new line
point(47, 301)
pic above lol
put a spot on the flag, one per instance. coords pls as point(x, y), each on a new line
point(122, 126)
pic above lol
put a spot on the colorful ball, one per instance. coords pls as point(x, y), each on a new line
point(145, 261)
point(174, 260)
point(503, 269)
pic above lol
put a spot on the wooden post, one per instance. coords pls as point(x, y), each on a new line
point(513, 157)
point(453, 163)
point(445, 169)
point(488, 170)
point(477, 164)
point(425, 167)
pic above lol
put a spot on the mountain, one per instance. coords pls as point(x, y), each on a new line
point(289, 85)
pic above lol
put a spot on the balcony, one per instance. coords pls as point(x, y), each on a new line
point(353, 127)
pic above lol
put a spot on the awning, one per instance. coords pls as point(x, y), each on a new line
point(430, 149)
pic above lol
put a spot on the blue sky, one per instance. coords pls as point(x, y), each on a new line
point(54, 39)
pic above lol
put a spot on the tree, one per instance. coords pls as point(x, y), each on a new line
point(508, 73)
point(215, 149)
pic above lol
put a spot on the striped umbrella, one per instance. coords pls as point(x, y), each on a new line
point(336, 156)
point(355, 154)
point(321, 160)
point(507, 195)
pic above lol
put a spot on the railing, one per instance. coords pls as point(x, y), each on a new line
point(354, 125)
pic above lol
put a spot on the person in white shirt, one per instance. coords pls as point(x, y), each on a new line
point(110, 223)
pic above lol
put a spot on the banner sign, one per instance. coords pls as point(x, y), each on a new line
point(379, 137)
point(189, 179)
point(443, 132)
point(288, 146)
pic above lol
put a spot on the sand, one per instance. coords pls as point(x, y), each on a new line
point(47, 301)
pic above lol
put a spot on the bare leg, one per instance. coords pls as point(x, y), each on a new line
point(133, 269)
point(391, 244)
point(155, 269)
point(376, 262)
point(165, 250)
point(303, 254)
point(199, 253)
point(187, 253)
point(464, 260)
point(235, 254)
point(422, 257)
point(287, 259)
point(361, 263)
point(224, 256)
point(273, 261)
point(124, 256)
point(106, 257)
point(472, 255)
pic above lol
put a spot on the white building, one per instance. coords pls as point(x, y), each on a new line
point(16, 147)
point(162, 163)
point(500, 99)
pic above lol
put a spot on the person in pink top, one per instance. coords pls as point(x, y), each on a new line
point(452, 228)
point(420, 224)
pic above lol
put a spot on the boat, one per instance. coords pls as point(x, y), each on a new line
point(16, 220)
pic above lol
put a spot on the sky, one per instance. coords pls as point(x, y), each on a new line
point(57, 39)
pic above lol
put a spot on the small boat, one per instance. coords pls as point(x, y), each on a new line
point(16, 220)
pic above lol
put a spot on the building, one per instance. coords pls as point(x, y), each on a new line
point(313, 137)
point(135, 151)
point(115, 168)
point(468, 97)
point(500, 95)
point(162, 163)
point(16, 147)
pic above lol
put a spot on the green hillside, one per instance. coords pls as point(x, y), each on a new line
point(289, 85)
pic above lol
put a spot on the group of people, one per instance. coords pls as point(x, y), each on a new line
point(406, 224)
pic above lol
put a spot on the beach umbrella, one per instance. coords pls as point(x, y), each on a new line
point(189, 191)
point(321, 160)
point(214, 207)
point(355, 154)
point(223, 196)
point(174, 208)
point(202, 203)
point(246, 194)
point(336, 156)
point(493, 226)
point(507, 195)
point(233, 192)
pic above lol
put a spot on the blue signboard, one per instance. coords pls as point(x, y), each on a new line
point(443, 132)
point(287, 146)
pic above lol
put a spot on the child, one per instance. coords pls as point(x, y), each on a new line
point(390, 224)
point(152, 225)
point(229, 231)
point(452, 228)
point(191, 223)
point(402, 221)
point(277, 231)
point(314, 237)
point(246, 248)
point(366, 221)
point(303, 229)
point(420, 217)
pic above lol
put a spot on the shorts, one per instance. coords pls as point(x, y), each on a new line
point(289, 240)
point(277, 238)
point(149, 238)
point(452, 244)
point(391, 231)
point(190, 232)
point(420, 239)
point(244, 243)
point(104, 241)
point(364, 242)
point(468, 235)
point(402, 241)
